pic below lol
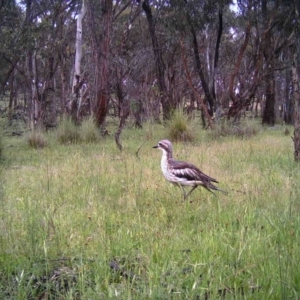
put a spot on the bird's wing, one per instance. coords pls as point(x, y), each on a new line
point(190, 172)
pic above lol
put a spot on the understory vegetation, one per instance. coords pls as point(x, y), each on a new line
point(82, 220)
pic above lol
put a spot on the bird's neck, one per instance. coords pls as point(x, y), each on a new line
point(166, 156)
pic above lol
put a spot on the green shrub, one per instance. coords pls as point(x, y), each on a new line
point(67, 131)
point(36, 139)
point(89, 132)
point(180, 127)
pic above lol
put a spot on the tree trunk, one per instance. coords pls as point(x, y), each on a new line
point(269, 110)
point(296, 83)
point(31, 75)
point(34, 104)
point(78, 79)
point(166, 103)
point(236, 102)
point(216, 60)
point(204, 109)
point(11, 93)
point(288, 105)
point(101, 107)
point(123, 114)
point(244, 98)
point(199, 69)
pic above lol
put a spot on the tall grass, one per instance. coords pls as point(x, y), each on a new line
point(36, 139)
point(67, 132)
point(89, 133)
point(246, 128)
point(88, 222)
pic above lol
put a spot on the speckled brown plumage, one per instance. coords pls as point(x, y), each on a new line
point(182, 173)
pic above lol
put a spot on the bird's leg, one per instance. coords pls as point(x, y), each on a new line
point(183, 191)
point(194, 187)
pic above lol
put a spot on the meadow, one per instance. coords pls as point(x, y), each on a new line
point(86, 221)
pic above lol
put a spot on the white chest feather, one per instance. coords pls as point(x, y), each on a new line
point(164, 164)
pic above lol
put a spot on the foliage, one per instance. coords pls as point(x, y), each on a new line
point(36, 139)
point(180, 127)
point(67, 132)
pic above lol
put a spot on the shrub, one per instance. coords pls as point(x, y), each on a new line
point(36, 139)
point(67, 131)
point(180, 127)
point(89, 132)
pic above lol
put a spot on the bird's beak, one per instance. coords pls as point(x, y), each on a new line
point(155, 146)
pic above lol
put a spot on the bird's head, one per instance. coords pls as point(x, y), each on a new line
point(165, 146)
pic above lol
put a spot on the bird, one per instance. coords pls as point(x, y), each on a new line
point(182, 173)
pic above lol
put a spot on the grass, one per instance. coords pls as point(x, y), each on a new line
point(180, 127)
point(36, 139)
point(85, 221)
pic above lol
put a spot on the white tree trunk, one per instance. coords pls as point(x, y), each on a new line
point(77, 80)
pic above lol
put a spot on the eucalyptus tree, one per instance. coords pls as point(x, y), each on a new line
point(164, 95)
point(11, 32)
point(78, 78)
point(125, 63)
point(243, 83)
point(102, 22)
point(266, 37)
point(40, 41)
point(200, 28)
point(278, 18)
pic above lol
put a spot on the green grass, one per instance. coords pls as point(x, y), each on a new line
point(180, 127)
point(85, 221)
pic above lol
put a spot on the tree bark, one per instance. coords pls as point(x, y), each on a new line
point(101, 107)
point(202, 104)
point(159, 64)
point(216, 59)
point(31, 75)
point(199, 69)
point(11, 93)
point(78, 79)
point(123, 114)
point(269, 110)
point(288, 105)
point(235, 101)
point(244, 98)
point(296, 83)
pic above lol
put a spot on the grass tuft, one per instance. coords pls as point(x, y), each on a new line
point(242, 130)
point(89, 132)
point(36, 139)
point(179, 127)
point(67, 131)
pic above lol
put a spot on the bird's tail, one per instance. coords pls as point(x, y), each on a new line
point(211, 187)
